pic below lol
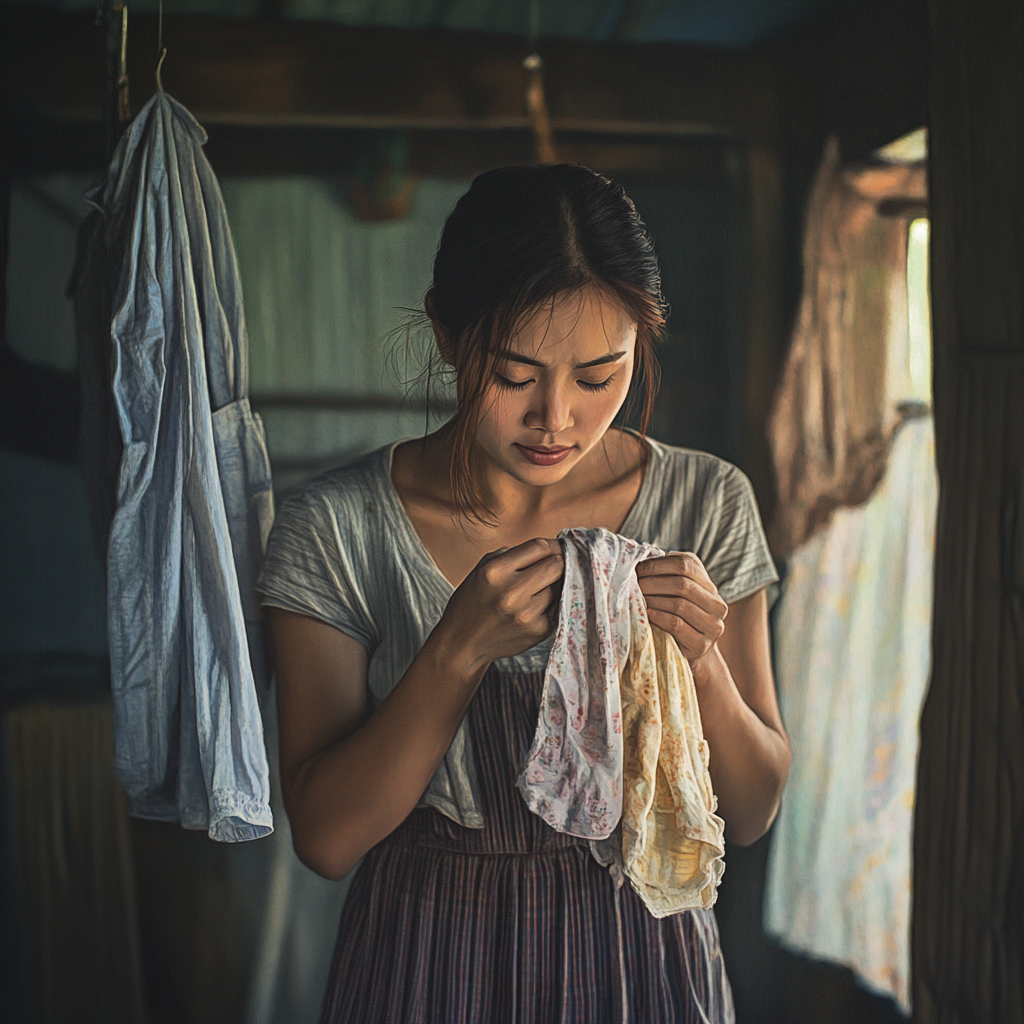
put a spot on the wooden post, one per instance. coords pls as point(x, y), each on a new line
point(967, 948)
point(765, 339)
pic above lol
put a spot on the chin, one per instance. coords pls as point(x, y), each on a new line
point(542, 476)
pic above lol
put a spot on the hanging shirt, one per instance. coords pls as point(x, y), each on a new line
point(193, 500)
point(852, 644)
point(619, 739)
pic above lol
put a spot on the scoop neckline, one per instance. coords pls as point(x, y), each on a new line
point(414, 543)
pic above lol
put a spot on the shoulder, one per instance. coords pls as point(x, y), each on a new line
point(337, 517)
point(699, 480)
point(346, 495)
point(323, 557)
point(701, 503)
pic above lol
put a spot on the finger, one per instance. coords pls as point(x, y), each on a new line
point(691, 643)
point(696, 618)
point(522, 556)
point(686, 588)
point(683, 563)
point(677, 563)
point(546, 602)
point(539, 613)
point(542, 573)
point(498, 565)
point(538, 577)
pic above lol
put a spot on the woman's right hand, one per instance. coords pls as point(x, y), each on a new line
point(507, 604)
point(350, 773)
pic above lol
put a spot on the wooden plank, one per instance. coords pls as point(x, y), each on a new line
point(338, 402)
point(36, 144)
point(272, 73)
point(968, 927)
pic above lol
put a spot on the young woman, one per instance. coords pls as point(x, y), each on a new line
point(411, 597)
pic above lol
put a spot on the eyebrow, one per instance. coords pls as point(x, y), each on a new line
point(612, 357)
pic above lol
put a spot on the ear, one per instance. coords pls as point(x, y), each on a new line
point(444, 346)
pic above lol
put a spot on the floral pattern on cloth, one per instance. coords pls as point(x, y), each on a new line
point(619, 756)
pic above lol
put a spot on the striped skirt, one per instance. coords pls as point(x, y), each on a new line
point(514, 922)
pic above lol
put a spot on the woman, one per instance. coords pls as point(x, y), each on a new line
point(411, 597)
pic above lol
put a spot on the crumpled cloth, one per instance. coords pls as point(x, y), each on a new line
point(619, 756)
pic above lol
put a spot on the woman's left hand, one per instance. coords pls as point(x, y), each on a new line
point(682, 600)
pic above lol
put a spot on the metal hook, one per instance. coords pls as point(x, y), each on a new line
point(159, 65)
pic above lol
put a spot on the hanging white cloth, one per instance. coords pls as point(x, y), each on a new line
point(852, 656)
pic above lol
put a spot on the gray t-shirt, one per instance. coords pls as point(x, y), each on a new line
point(343, 551)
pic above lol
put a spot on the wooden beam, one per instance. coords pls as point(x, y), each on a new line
point(37, 144)
point(274, 73)
point(338, 402)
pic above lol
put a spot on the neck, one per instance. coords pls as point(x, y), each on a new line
point(511, 499)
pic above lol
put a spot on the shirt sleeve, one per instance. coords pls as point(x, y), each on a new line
point(731, 542)
point(313, 566)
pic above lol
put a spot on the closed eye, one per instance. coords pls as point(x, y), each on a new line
point(599, 386)
point(510, 385)
point(518, 385)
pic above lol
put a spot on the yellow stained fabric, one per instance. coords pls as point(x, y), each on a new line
point(672, 840)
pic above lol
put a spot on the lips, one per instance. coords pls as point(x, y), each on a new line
point(541, 455)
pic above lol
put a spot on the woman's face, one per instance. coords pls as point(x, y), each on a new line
point(552, 399)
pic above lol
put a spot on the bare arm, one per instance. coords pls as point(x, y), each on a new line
point(740, 715)
point(728, 649)
point(349, 776)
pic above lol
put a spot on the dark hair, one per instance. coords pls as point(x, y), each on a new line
point(519, 237)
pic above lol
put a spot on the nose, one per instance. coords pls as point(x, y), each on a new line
point(550, 410)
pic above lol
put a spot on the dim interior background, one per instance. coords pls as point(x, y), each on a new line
point(323, 287)
point(324, 292)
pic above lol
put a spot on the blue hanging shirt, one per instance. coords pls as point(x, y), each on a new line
point(194, 502)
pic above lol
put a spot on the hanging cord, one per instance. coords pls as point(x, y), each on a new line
point(160, 48)
point(537, 108)
point(534, 28)
point(536, 105)
point(117, 111)
point(124, 112)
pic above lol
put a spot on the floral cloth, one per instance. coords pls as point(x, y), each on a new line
point(619, 739)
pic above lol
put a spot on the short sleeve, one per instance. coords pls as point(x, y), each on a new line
point(314, 566)
point(731, 541)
